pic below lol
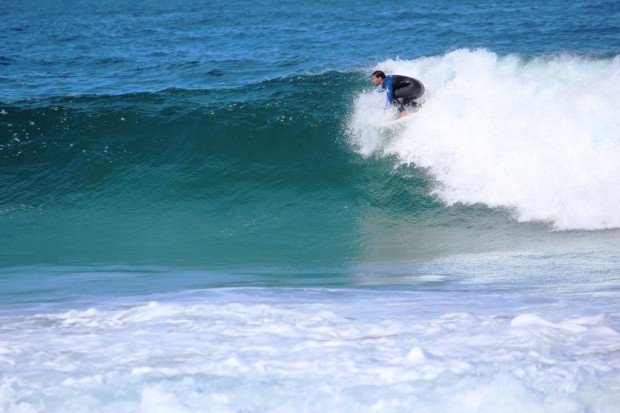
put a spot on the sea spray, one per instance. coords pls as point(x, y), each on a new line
point(538, 136)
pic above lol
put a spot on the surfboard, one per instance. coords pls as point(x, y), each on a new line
point(395, 123)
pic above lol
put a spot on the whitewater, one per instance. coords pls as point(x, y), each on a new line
point(340, 350)
point(537, 136)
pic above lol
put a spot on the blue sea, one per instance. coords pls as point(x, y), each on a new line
point(204, 207)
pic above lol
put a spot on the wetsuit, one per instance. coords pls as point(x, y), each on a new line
point(402, 90)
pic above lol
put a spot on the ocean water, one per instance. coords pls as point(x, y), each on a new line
point(199, 212)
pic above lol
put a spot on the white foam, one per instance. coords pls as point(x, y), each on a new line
point(315, 350)
point(417, 356)
point(540, 136)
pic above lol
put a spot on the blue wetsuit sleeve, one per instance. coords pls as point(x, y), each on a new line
point(390, 97)
point(387, 84)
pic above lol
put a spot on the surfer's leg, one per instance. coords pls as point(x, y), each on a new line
point(410, 101)
point(399, 102)
point(410, 93)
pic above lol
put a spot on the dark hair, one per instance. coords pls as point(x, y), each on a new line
point(379, 73)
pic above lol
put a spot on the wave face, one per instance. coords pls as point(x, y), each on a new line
point(537, 136)
point(197, 175)
point(294, 170)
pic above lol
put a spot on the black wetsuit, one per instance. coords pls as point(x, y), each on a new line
point(402, 90)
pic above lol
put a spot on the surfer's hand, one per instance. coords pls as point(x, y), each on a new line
point(404, 113)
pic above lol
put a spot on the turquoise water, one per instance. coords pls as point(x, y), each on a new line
point(199, 212)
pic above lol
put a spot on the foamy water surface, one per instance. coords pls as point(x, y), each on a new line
point(283, 350)
point(538, 136)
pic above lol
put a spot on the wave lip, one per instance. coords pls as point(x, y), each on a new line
point(538, 136)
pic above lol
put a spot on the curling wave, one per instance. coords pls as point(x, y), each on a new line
point(539, 136)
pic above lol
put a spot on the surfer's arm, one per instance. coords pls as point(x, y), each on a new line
point(389, 97)
point(387, 85)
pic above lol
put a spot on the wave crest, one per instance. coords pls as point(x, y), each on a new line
point(539, 136)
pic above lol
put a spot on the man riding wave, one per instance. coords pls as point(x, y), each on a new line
point(401, 90)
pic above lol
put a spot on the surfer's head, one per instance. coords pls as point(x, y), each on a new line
point(377, 77)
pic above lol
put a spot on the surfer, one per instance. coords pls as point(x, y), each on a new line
point(401, 90)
